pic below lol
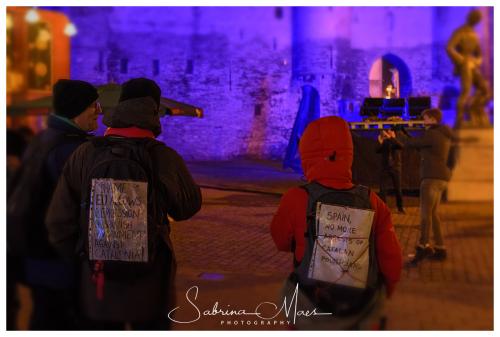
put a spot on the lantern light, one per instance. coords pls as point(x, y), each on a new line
point(70, 29)
point(32, 15)
point(9, 22)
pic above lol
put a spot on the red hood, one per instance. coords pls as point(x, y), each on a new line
point(323, 139)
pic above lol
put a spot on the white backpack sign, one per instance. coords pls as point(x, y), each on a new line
point(118, 220)
point(341, 249)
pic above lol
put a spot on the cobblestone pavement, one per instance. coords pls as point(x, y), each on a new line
point(226, 250)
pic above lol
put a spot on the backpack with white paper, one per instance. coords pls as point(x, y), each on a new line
point(339, 270)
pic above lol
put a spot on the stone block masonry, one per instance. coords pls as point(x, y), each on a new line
point(245, 66)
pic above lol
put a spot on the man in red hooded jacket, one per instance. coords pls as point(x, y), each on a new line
point(326, 152)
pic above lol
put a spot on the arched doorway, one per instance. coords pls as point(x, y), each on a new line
point(390, 77)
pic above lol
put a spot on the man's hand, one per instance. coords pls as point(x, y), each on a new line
point(380, 139)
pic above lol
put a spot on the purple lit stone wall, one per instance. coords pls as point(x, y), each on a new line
point(245, 66)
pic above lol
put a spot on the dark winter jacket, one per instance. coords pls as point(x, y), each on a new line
point(149, 297)
point(391, 153)
point(434, 146)
point(42, 265)
point(67, 138)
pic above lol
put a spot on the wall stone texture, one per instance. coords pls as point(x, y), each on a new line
point(245, 66)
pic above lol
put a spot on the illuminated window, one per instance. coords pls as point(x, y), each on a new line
point(390, 78)
point(40, 56)
point(384, 80)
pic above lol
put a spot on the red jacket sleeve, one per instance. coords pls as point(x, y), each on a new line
point(389, 254)
point(289, 219)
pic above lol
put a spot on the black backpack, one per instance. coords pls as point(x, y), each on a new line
point(121, 212)
point(330, 295)
point(28, 197)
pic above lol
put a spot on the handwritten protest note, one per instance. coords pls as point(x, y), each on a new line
point(340, 253)
point(118, 228)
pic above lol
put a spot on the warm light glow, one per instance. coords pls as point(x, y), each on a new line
point(390, 90)
point(70, 29)
point(41, 69)
point(42, 40)
point(9, 22)
point(32, 15)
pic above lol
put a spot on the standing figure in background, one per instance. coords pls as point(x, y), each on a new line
point(16, 145)
point(435, 171)
point(50, 279)
point(390, 148)
point(465, 53)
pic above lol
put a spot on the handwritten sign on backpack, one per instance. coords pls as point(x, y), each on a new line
point(118, 228)
point(340, 253)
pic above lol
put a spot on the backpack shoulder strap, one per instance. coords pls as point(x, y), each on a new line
point(314, 191)
point(363, 191)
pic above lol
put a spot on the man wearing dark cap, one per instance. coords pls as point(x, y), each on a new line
point(50, 279)
point(129, 182)
point(435, 172)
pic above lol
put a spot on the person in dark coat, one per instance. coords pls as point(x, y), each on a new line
point(435, 172)
point(49, 278)
point(390, 149)
point(16, 145)
point(145, 303)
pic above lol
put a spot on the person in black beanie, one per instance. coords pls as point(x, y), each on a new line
point(76, 102)
point(50, 279)
point(140, 87)
point(149, 301)
point(132, 111)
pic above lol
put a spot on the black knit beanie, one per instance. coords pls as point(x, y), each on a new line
point(71, 97)
point(140, 87)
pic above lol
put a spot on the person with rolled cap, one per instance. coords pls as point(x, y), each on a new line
point(117, 289)
point(50, 279)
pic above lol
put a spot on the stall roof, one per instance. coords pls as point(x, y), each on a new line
point(108, 98)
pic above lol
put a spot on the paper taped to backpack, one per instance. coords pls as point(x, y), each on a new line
point(118, 220)
point(341, 249)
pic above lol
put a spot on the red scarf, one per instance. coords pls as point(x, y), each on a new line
point(131, 132)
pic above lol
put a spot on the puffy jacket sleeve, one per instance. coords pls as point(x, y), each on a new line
point(63, 214)
point(288, 224)
point(182, 194)
point(389, 253)
point(417, 142)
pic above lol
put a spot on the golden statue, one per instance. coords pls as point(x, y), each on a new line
point(465, 53)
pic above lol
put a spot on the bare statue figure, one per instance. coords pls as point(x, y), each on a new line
point(465, 53)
